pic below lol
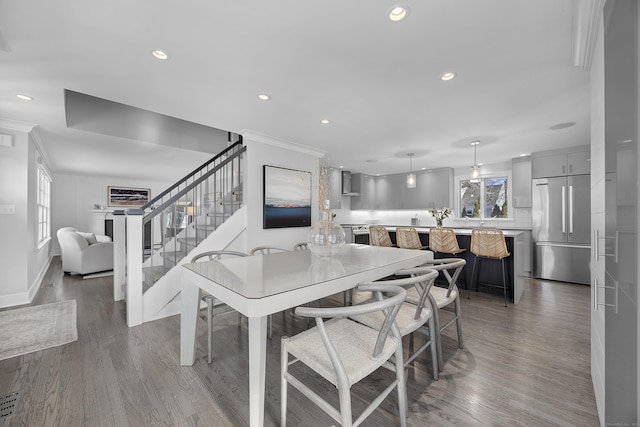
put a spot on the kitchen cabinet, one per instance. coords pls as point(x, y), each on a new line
point(389, 190)
point(521, 182)
point(366, 186)
point(335, 188)
point(433, 189)
point(614, 219)
point(561, 163)
point(441, 188)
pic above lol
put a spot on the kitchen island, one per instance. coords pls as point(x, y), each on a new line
point(490, 271)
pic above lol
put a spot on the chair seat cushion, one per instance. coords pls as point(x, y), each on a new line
point(405, 319)
point(354, 343)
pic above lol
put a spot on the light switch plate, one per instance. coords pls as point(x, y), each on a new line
point(7, 209)
point(6, 140)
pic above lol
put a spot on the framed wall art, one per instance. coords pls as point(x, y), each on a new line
point(287, 197)
point(127, 196)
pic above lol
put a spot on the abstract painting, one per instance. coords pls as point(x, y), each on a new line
point(287, 198)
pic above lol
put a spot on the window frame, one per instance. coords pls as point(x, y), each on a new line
point(43, 206)
point(497, 174)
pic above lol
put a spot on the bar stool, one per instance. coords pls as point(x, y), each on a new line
point(379, 236)
point(489, 243)
point(444, 241)
point(408, 238)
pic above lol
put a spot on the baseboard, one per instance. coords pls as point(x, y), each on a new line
point(94, 275)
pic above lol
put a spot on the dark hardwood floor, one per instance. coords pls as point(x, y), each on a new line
point(524, 365)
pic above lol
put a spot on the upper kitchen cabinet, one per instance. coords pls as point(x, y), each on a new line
point(433, 189)
point(365, 185)
point(521, 182)
point(441, 188)
point(335, 188)
point(573, 161)
point(389, 191)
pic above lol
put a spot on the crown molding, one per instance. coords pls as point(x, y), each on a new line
point(16, 125)
point(281, 143)
point(585, 27)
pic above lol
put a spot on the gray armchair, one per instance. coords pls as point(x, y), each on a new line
point(84, 253)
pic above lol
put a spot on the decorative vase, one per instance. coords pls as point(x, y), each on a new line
point(326, 238)
point(438, 223)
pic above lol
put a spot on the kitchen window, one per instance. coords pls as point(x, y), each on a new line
point(484, 198)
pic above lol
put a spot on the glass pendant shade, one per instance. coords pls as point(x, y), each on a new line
point(411, 177)
point(411, 180)
point(475, 169)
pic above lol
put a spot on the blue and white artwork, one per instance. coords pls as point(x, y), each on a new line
point(287, 198)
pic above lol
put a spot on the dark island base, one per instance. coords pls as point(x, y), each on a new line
point(489, 270)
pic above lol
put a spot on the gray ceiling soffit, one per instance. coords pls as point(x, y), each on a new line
point(93, 114)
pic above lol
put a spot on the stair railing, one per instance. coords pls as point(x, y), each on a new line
point(162, 232)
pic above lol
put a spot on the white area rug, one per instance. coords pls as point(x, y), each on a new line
point(29, 329)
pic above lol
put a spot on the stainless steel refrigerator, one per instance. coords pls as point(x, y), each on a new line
point(561, 220)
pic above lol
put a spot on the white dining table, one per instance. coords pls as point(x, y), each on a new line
point(260, 285)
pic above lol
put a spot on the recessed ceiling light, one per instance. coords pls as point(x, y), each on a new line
point(448, 76)
point(159, 54)
point(324, 121)
point(398, 13)
point(475, 142)
point(264, 97)
point(341, 167)
point(25, 97)
point(371, 160)
point(524, 155)
point(562, 126)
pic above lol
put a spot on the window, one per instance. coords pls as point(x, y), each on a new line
point(484, 198)
point(44, 206)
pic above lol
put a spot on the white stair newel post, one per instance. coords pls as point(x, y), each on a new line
point(119, 256)
point(134, 269)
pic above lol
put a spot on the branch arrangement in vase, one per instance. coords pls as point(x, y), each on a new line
point(439, 214)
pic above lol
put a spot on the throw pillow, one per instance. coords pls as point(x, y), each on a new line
point(91, 238)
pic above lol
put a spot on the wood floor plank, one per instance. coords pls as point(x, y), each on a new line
point(522, 365)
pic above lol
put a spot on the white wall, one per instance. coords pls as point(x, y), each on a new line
point(22, 263)
point(74, 197)
point(262, 150)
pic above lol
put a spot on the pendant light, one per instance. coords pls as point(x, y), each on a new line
point(411, 177)
point(475, 169)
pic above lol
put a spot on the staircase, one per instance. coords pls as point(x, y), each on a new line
point(204, 210)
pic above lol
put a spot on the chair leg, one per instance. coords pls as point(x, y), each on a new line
point(403, 402)
point(284, 366)
point(473, 275)
point(458, 320)
point(436, 336)
point(434, 349)
point(345, 404)
point(504, 282)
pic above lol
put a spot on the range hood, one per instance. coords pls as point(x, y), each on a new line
point(346, 184)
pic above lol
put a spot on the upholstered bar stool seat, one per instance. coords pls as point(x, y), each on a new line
point(489, 243)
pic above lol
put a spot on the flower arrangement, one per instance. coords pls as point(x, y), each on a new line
point(440, 214)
